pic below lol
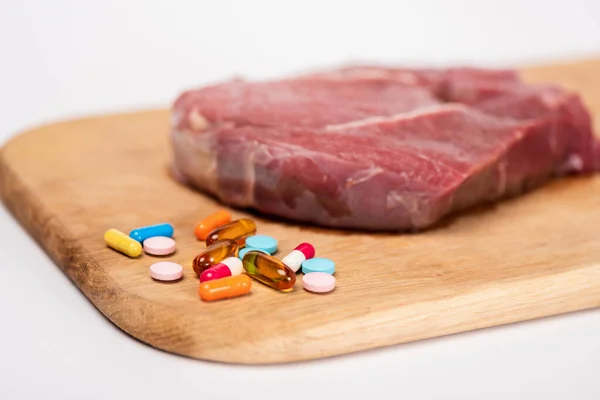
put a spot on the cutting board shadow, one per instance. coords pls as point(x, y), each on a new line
point(530, 257)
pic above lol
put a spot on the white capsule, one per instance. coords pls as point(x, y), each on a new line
point(235, 265)
point(294, 260)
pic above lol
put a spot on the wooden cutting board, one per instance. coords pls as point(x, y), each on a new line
point(530, 257)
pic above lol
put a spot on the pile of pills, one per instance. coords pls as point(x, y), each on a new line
point(234, 254)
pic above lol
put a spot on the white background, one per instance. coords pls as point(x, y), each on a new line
point(62, 59)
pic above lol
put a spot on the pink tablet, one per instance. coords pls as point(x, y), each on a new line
point(318, 282)
point(159, 245)
point(166, 271)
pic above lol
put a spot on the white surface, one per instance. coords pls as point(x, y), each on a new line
point(62, 58)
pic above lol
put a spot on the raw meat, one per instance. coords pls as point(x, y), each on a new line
point(299, 102)
point(378, 148)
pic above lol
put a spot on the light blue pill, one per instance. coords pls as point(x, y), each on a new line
point(318, 265)
point(143, 233)
point(263, 242)
point(243, 251)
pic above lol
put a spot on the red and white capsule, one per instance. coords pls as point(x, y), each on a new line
point(296, 257)
point(231, 266)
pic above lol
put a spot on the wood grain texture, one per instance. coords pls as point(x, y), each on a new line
point(529, 257)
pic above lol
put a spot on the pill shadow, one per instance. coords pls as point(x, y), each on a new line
point(167, 282)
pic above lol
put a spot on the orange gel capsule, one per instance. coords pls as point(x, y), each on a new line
point(214, 254)
point(232, 286)
point(237, 230)
point(269, 270)
point(210, 223)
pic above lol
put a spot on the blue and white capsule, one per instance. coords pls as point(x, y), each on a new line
point(146, 232)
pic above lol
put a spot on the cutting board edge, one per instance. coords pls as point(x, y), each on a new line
point(86, 117)
point(73, 260)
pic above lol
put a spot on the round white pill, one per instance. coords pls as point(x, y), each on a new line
point(166, 271)
point(159, 245)
point(318, 282)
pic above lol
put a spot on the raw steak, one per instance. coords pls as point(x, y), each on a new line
point(299, 102)
point(378, 148)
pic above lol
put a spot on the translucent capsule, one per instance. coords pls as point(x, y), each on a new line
point(230, 266)
point(145, 232)
point(122, 243)
point(232, 286)
point(246, 249)
point(214, 254)
point(269, 270)
point(237, 230)
point(210, 223)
